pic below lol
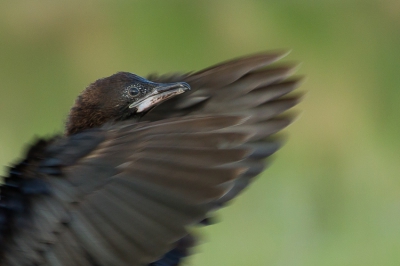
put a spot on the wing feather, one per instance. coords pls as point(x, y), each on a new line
point(128, 195)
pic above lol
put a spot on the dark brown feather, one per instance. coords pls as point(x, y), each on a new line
point(127, 191)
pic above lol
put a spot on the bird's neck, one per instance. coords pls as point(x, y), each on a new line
point(83, 118)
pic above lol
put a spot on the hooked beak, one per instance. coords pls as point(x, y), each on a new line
point(161, 93)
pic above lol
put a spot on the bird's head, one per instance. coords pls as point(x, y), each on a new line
point(118, 97)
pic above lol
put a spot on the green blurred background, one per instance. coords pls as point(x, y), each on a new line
point(332, 196)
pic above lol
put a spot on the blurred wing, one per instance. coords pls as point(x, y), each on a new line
point(247, 86)
point(129, 200)
point(129, 190)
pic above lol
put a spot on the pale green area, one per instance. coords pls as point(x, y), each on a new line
point(332, 196)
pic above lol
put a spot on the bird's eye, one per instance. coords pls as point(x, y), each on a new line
point(133, 91)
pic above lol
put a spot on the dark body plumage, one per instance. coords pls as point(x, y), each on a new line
point(124, 183)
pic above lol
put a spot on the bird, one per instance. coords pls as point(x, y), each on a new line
point(141, 161)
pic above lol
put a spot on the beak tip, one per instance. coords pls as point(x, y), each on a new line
point(185, 86)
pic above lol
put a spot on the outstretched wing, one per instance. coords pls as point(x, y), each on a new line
point(247, 86)
point(128, 191)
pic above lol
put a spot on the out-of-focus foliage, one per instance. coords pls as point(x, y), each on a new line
point(332, 196)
